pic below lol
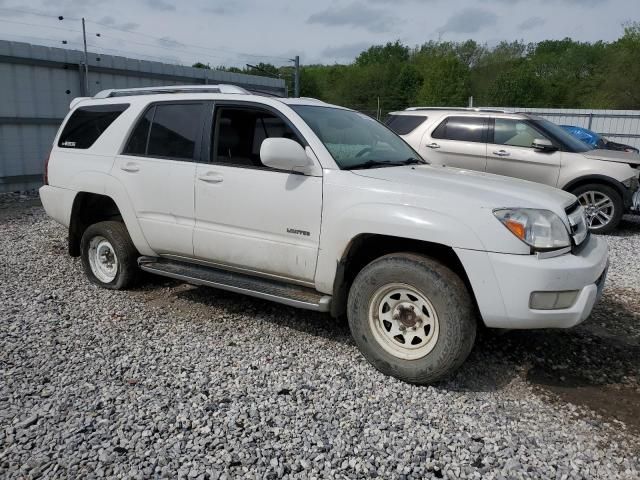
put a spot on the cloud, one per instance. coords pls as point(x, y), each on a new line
point(169, 42)
point(469, 20)
point(225, 7)
point(111, 22)
point(531, 23)
point(161, 5)
point(345, 52)
point(355, 15)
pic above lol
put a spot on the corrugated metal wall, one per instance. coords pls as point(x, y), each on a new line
point(37, 83)
point(619, 125)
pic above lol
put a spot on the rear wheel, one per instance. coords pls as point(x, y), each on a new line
point(603, 206)
point(108, 255)
point(411, 317)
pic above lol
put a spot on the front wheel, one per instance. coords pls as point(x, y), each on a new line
point(108, 255)
point(603, 206)
point(411, 317)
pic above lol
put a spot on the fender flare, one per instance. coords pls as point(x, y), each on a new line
point(400, 221)
point(104, 184)
point(603, 179)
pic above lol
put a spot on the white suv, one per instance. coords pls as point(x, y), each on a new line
point(318, 207)
point(523, 146)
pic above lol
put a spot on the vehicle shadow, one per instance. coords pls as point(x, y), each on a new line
point(307, 322)
point(629, 226)
point(589, 365)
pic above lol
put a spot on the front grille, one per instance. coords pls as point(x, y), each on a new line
point(578, 224)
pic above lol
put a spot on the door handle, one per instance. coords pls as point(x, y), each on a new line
point(210, 177)
point(433, 145)
point(502, 153)
point(130, 167)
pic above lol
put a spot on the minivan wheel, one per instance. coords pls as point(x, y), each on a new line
point(411, 317)
point(109, 257)
point(603, 206)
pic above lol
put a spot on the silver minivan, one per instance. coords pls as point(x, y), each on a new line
point(528, 147)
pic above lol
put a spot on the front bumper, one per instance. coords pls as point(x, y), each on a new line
point(503, 283)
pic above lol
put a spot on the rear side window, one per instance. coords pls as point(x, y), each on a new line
point(463, 129)
point(86, 124)
point(405, 124)
point(170, 130)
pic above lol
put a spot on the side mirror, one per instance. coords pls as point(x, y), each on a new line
point(544, 145)
point(284, 154)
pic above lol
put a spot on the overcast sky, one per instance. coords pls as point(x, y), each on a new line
point(229, 32)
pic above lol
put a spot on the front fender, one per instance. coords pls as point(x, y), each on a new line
point(385, 219)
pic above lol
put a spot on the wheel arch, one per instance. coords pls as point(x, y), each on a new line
point(597, 179)
point(366, 247)
point(91, 207)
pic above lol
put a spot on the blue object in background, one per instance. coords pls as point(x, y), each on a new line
point(595, 140)
point(587, 136)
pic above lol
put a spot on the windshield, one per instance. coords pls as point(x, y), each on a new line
point(571, 143)
point(356, 140)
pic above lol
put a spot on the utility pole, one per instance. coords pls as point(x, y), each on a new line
point(86, 60)
point(296, 88)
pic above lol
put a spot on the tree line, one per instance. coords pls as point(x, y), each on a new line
point(552, 73)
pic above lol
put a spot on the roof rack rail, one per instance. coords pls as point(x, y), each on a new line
point(459, 109)
point(127, 92)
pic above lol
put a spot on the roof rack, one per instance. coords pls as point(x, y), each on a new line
point(459, 109)
point(127, 92)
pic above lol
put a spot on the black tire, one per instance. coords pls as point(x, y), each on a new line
point(127, 255)
point(616, 199)
point(449, 298)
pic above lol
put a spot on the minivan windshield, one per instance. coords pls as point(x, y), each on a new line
point(355, 140)
point(571, 143)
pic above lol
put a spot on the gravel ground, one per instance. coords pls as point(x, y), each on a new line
point(171, 380)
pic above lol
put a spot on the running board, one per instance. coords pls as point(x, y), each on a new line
point(281, 292)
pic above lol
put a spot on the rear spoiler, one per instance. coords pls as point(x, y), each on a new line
point(76, 101)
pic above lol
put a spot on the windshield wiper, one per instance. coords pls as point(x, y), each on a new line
point(382, 164)
point(414, 160)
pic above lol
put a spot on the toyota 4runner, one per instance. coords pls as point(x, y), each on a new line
point(317, 207)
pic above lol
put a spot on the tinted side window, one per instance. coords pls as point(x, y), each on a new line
point(464, 129)
point(515, 133)
point(404, 124)
point(140, 136)
point(86, 124)
point(238, 134)
point(174, 130)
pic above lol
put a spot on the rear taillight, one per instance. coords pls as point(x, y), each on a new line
point(45, 176)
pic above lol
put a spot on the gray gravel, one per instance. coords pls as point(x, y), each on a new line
point(171, 380)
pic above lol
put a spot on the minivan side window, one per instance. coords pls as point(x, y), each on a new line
point(86, 124)
point(238, 133)
point(167, 130)
point(514, 133)
point(463, 129)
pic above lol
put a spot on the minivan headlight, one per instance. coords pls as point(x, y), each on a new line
point(540, 229)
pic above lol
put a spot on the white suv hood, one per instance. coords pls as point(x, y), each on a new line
point(613, 156)
point(476, 188)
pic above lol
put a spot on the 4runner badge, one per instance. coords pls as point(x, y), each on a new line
point(298, 232)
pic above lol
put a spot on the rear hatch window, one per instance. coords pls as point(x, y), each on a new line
point(86, 124)
point(404, 124)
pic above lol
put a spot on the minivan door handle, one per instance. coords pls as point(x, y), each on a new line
point(130, 167)
point(502, 153)
point(210, 177)
point(433, 145)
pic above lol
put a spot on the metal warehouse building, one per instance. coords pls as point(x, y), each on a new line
point(37, 83)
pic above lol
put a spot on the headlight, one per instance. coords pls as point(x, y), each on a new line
point(540, 229)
